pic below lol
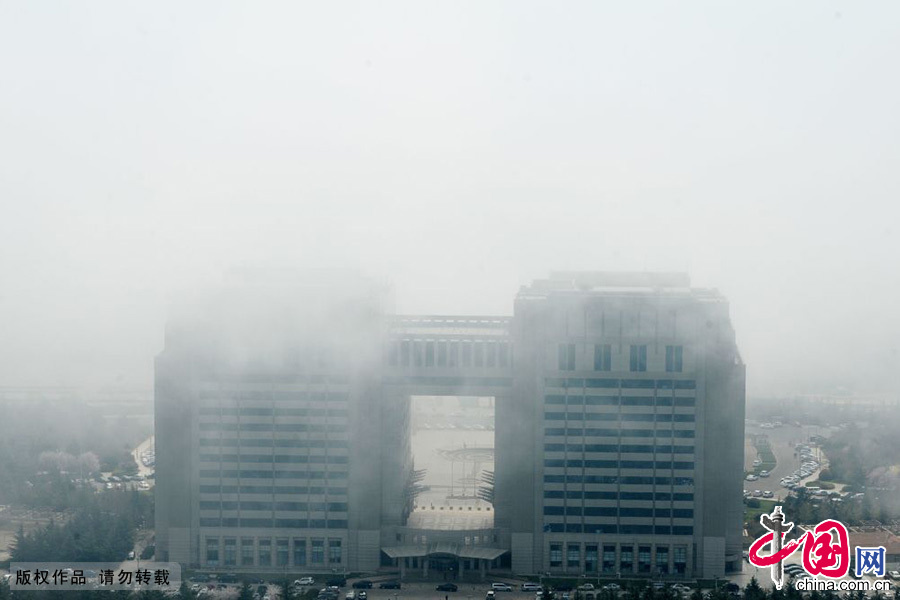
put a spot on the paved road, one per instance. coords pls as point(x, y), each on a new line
point(781, 441)
point(136, 453)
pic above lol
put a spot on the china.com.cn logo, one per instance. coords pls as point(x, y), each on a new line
point(826, 550)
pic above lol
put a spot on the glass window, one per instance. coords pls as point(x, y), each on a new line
point(299, 553)
point(281, 552)
point(609, 559)
point(643, 559)
point(442, 354)
point(573, 555)
point(318, 551)
point(626, 559)
point(453, 359)
point(638, 359)
point(590, 558)
point(212, 552)
point(467, 354)
point(418, 357)
point(662, 560)
point(429, 354)
point(673, 359)
point(404, 353)
point(680, 559)
point(555, 555)
point(503, 354)
point(265, 553)
point(479, 354)
point(334, 552)
point(602, 357)
point(247, 551)
point(566, 357)
point(230, 552)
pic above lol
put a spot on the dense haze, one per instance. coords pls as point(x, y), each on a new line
point(456, 150)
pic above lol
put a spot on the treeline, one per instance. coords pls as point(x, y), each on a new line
point(45, 441)
point(101, 531)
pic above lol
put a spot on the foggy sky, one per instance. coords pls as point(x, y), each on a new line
point(457, 150)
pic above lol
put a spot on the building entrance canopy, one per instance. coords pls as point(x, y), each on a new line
point(457, 550)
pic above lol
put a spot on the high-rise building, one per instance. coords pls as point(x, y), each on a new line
point(283, 428)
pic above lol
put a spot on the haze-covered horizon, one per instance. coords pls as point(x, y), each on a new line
point(457, 151)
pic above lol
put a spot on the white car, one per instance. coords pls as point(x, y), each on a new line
point(501, 587)
point(305, 581)
point(587, 587)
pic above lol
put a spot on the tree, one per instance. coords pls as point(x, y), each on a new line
point(185, 592)
point(246, 593)
point(754, 591)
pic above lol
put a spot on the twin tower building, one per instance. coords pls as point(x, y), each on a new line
point(283, 428)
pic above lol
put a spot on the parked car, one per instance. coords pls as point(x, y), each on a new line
point(338, 582)
point(501, 587)
point(587, 587)
point(531, 587)
point(490, 595)
point(362, 584)
point(389, 585)
point(305, 581)
point(362, 595)
point(612, 587)
point(446, 587)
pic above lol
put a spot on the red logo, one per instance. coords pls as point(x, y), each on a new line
point(826, 547)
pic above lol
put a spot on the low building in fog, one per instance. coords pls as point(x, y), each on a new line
point(283, 429)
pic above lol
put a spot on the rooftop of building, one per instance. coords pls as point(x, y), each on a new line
point(617, 282)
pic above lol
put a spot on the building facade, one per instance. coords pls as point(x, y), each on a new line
point(283, 428)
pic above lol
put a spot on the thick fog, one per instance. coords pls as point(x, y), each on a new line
point(456, 150)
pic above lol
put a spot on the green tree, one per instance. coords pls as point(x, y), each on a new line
point(185, 592)
point(754, 591)
point(246, 593)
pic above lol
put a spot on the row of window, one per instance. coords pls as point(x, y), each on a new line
point(286, 506)
point(275, 458)
point(614, 433)
point(638, 384)
point(620, 511)
point(623, 529)
point(247, 474)
point(616, 401)
point(623, 448)
point(269, 489)
point(619, 464)
point(622, 561)
point(651, 496)
point(334, 428)
point(281, 395)
point(637, 360)
point(272, 412)
point(272, 443)
point(623, 417)
point(624, 480)
point(449, 353)
point(276, 523)
point(259, 553)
